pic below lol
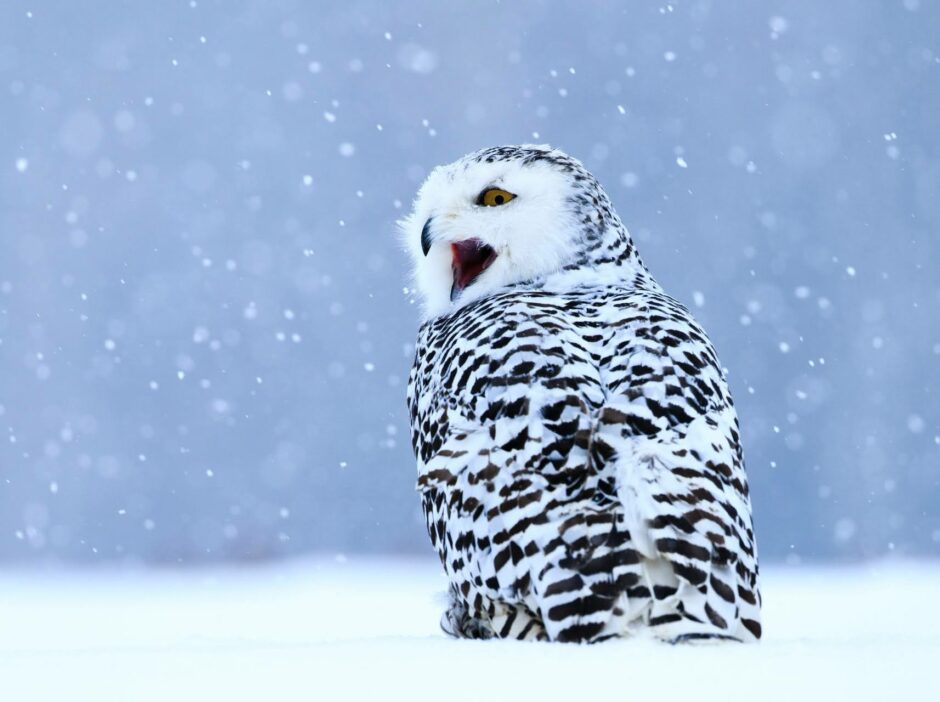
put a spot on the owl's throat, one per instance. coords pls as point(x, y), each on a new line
point(470, 258)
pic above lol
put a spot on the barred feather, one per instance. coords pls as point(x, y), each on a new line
point(579, 458)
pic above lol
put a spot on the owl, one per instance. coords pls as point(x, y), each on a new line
point(578, 451)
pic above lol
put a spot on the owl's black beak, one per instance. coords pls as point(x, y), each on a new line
point(426, 236)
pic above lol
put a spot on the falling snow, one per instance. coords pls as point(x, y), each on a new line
point(202, 320)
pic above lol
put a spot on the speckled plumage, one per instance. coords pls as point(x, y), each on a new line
point(579, 459)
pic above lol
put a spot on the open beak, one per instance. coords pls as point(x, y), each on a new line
point(426, 240)
point(470, 258)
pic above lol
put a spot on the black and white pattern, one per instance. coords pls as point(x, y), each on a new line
point(578, 450)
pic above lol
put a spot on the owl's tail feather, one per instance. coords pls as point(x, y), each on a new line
point(500, 620)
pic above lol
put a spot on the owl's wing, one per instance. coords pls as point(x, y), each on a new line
point(671, 428)
point(500, 423)
point(500, 378)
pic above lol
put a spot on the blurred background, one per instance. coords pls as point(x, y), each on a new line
point(205, 320)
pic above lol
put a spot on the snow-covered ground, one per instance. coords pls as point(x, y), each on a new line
point(367, 629)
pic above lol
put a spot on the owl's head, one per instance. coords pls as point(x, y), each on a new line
point(509, 215)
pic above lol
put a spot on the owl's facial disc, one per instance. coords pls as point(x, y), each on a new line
point(470, 258)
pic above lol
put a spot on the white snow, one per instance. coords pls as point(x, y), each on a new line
point(348, 629)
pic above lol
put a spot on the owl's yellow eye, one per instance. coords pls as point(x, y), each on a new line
point(494, 197)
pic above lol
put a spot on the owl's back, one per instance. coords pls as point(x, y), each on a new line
point(580, 469)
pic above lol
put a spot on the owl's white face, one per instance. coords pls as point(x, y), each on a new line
point(479, 226)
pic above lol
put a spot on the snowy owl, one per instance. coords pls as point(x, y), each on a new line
point(579, 458)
